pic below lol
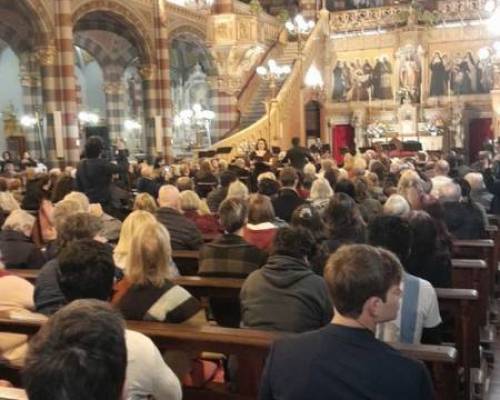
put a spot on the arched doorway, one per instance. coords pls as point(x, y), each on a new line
point(312, 112)
point(117, 43)
point(23, 38)
point(191, 67)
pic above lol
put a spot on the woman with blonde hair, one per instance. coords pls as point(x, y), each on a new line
point(320, 195)
point(143, 293)
point(145, 202)
point(129, 227)
point(191, 206)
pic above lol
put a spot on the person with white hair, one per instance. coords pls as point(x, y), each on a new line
point(441, 178)
point(111, 225)
point(463, 220)
point(184, 234)
point(237, 189)
point(478, 191)
point(15, 244)
point(320, 195)
point(397, 206)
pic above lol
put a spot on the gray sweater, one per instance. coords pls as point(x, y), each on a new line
point(285, 295)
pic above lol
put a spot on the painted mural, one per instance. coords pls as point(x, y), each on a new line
point(409, 61)
point(460, 73)
point(362, 79)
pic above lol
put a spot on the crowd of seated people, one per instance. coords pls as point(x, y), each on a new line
point(352, 253)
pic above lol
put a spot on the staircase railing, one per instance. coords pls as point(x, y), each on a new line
point(284, 115)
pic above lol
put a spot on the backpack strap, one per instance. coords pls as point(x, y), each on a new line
point(409, 308)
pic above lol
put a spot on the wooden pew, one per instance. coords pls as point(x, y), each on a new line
point(461, 304)
point(251, 348)
point(473, 274)
point(186, 261)
point(483, 249)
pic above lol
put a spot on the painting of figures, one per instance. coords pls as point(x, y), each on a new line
point(460, 73)
point(356, 80)
point(410, 71)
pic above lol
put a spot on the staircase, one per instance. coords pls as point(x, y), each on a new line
point(284, 55)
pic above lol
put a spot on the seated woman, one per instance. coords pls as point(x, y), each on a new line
point(15, 244)
point(204, 179)
point(320, 194)
point(285, 294)
point(428, 260)
point(344, 222)
point(37, 199)
point(191, 207)
point(145, 202)
point(142, 294)
point(260, 230)
point(130, 225)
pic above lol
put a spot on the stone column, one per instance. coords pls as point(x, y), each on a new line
point(47, 57)
point(66, 75)
point(30, 83)
point(147, 73)
point(114, 92)
point(163, 103)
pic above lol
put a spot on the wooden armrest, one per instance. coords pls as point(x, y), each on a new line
point(187, 281)
point(185, 254)
point(474, 243)
point(444, 354)
point(458, 294)
point(467, 263)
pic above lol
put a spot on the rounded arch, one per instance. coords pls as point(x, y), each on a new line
point(191, 31)
point(36, 17)
point(192, 42)
point(110, 15)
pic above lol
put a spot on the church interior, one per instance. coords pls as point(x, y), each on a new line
point(209, 141)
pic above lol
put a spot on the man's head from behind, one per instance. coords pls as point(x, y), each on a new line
point(86, 270)
point(79, 354)
point(289, 177)
point(169, 196)
point(233, 214)
point(364, 283)
point(295, 141)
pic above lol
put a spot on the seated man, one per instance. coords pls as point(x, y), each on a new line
point(79, 353)
point(418, 319)
point(184, 235)
point(87, 272)
point(287, 199)
point(230, 256)
point(464, 219)
point(344, 359)
point(286, 294)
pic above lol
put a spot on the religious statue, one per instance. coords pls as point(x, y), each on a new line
point(410, 71)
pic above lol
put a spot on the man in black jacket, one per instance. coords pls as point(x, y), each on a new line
point(298, 156)
point(184, 234)
point(287, 199)
point(95, 174)
point(344, 359)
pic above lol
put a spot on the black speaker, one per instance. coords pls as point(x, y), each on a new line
point(412, 145)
